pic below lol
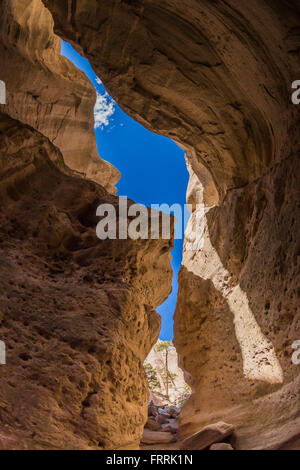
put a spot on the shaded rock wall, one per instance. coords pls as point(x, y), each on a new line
point(216, 77)
point(77, 314)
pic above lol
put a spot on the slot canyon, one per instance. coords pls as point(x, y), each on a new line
point(78, 314)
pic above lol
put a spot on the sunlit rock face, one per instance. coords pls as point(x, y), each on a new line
point(216, 77)
point(46, 91)
point(201, 258)
point(77, 314)
point(237, 313)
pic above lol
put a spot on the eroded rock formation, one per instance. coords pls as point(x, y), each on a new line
point(216, 77)
point(46, 91)
point(245, 315)
point(77, 314)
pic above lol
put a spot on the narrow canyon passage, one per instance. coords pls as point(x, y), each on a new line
point(152, 167)
point(78, 316)
point(153, 171)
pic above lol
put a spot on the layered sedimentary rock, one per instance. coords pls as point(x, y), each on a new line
point(238, 299)
point(77, 314)
point(46, 91)
point(216, 77)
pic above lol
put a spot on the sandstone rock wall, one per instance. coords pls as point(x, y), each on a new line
point(216, 77)
point(46, 91)
point(77, 314)
point(237, 313)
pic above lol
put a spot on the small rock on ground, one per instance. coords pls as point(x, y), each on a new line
point(157, 437)
point(207, 436)
point(221, 446)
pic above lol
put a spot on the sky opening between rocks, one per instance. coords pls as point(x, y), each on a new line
point(152, 166)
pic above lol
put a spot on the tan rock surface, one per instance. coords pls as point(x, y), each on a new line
point(157, 437)
point(216, 77)
point(46, 91)
point(221, 446)
point(238, 307)
point(152, 424)
point(208, 435)
point(172, 426)
point(78, 313)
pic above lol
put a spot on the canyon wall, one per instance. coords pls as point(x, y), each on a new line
point(216, 77)
point(237, 314)
point(77, 314)
point(46, 91)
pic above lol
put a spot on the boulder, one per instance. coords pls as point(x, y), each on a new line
point(162, 419)
point(173, 411)
point(157, 437)
point(164, 411)
point(152, 410)
point(171, 426)
point(152, 424)
point(207, 436)
point(221, 446)
point(157, 401)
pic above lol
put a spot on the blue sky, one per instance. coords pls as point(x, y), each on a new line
point(152, 167)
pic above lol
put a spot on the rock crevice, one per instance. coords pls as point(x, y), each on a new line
point(215, 77)
point(77, 314)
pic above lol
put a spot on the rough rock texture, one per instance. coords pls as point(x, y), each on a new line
point(238, 308)
point(77, 313)
point(46, 91)
point(177, 386)
point(221, 446)
point(152, 424)
point(156, 437)
point(216, 77)
point(208, 435)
